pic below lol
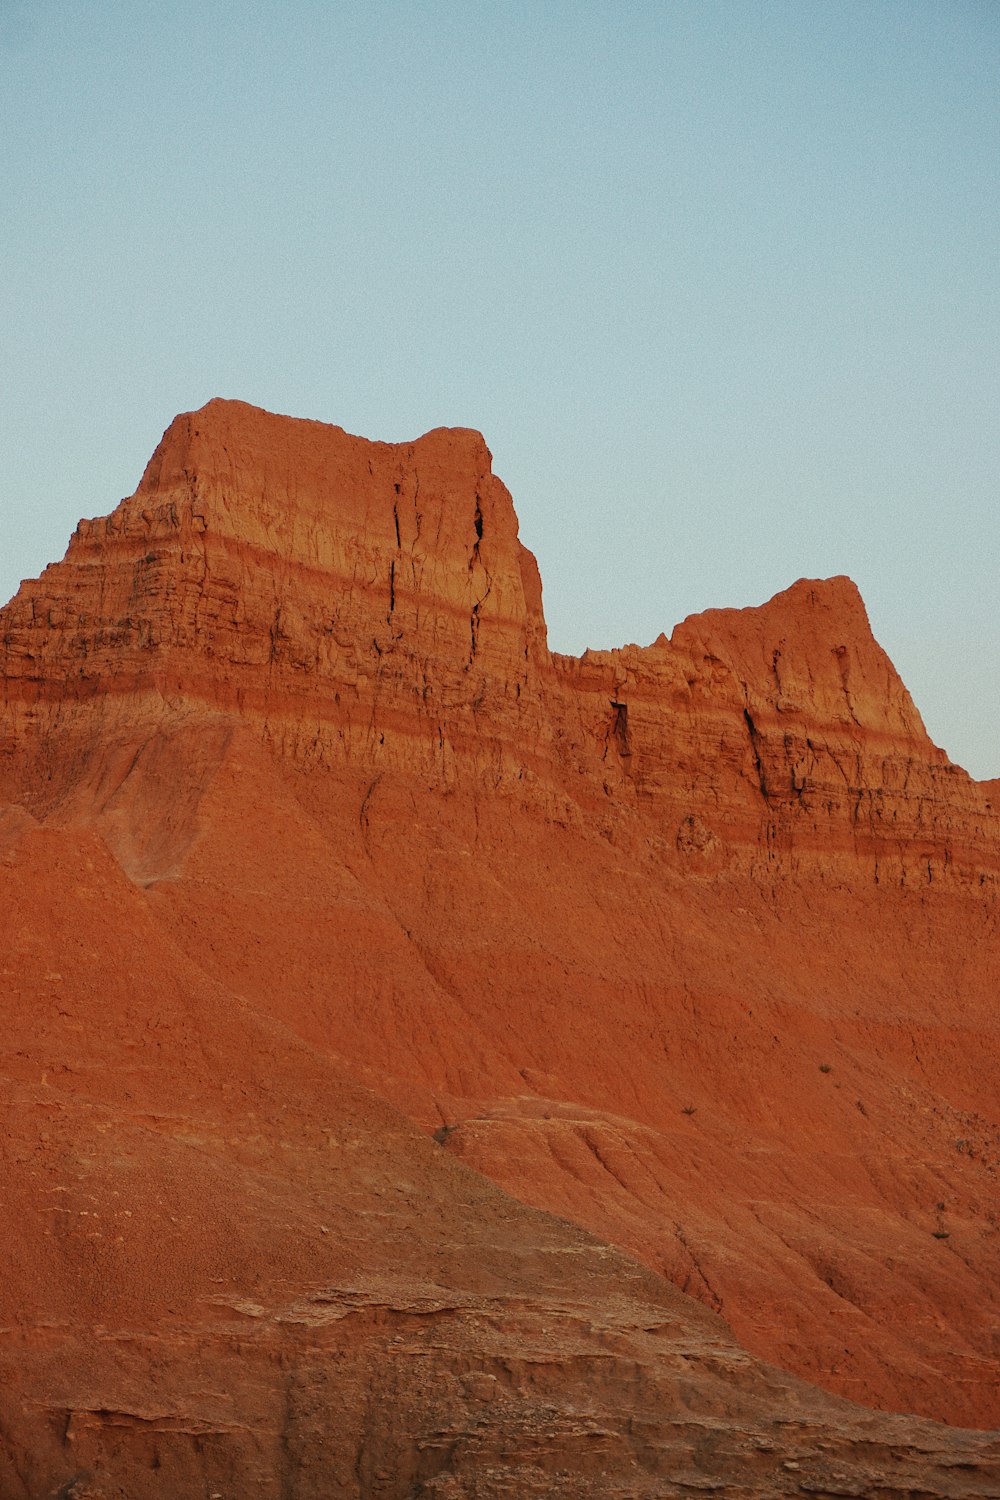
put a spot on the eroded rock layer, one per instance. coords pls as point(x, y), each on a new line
point(311, 851)
point(369, 604)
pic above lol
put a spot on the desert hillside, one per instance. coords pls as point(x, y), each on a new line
point(434, 1066)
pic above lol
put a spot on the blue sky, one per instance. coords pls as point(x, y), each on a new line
point(718, 281)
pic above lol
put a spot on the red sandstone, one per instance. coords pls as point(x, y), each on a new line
point(326, 882)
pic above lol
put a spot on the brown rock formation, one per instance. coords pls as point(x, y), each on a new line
point(307, 841)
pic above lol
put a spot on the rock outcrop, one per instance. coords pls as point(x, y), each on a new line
point(370, 604)
point(400, 1018)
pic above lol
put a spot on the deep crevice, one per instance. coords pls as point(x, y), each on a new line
point(755, 747)
point(478, 522)
point(619, 727)
point(474, 620)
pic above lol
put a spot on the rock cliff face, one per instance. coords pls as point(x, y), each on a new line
point(370, 604)
point(354, 935)
point(356, 601)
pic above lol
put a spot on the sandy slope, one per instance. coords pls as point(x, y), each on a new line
point(324, 882)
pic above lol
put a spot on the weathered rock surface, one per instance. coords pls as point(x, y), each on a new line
point(310, 848)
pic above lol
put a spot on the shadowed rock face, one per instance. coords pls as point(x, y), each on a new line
point(399, 1019)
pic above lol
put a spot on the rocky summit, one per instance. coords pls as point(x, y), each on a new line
point(436, 1067)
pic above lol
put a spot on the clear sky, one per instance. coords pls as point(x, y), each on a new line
point(718, 281)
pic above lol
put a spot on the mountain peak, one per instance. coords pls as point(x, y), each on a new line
point(370, 603)
point(306, 838)
point(809, 649)
point(224, 439)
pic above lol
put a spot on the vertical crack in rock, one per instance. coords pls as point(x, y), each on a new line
point(473, 560)
point(755, 743)
point(363, 810)
point(474, 620)
point(275, 634)
point(478, 523)
point(844, 668)
point(619, 728)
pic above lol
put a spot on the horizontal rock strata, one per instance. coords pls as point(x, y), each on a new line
point(401, 1018)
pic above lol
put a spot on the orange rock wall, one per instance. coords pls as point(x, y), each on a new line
point(370, 604)
point(694, 945)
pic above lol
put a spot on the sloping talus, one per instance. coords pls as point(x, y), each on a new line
point(401, 1018)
